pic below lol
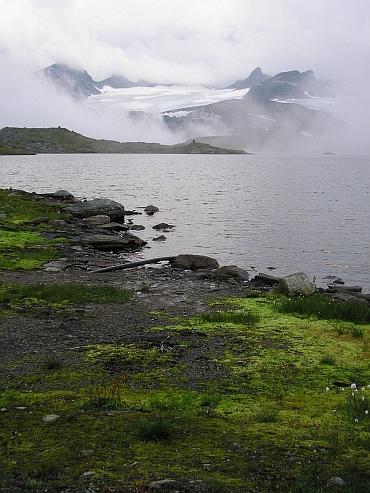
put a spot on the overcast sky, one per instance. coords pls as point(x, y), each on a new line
point(188, 41)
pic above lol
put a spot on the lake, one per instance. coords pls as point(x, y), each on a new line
point(287, 212)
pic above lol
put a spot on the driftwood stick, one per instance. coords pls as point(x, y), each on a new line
point(134, 264)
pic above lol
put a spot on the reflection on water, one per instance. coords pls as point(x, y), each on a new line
point(306, 213)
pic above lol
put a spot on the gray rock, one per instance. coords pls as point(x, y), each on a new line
point(38, 220)
point(137, 227)
point(339, 289)
point(337, 481)
point(194, 262)
point(297, 284)
point(56, 266)
point(267, 279)
point(50, 418)
point(163, 226)
point(96, 207)
point(97, 220)
point(115, 243)
point(162, 485)
point(63, 195)
point(151, 209)
point(234, 271)
point(112, 226)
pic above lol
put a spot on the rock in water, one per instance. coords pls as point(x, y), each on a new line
point(297, 284)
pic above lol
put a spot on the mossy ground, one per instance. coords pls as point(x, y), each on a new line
point(247, 409)
point(21, 246)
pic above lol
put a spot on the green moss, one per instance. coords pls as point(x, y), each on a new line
point(247, 409)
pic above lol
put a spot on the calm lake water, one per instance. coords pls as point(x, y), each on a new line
point(306, 213)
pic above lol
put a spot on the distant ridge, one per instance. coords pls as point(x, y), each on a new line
point(255, 77)
point(79, 83)
point(289, 85)
point(59, 140)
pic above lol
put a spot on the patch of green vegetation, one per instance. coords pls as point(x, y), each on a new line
point(238, 317)
point(325, 308)
point(157, 429)
point(33, 258)
point(21, 246)
point(20, 207)
point(63, 294)
point(225, 407)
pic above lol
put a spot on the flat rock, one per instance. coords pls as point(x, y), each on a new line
point(49, 418)
point(233, 271)
point(163, 226)
point(194, 262)
point(96, 207)
point(267, 279)
point(97, 220)
point(56, 266)
point(115, 243)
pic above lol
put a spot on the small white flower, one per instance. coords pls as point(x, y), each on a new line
point(363, 389)
point(353, 386)
point(356, 420)
point(342, 389)
point(356, 391)
point(362, 398)
point(327, 389)
point(368, 386)
point(334, 411)
point(353, 394)
point(366, 412)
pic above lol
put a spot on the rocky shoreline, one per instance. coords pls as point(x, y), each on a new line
point(101, 226)
point(164, 292)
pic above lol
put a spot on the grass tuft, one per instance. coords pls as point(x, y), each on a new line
point(159, 429)
point(239, 317)
point(327, 309)
point(67, 293)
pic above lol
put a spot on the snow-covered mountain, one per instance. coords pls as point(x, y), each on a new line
point(251, 114)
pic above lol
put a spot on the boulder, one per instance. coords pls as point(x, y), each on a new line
point(160, 238)
point(234, 271)
point(115, 243)
point(194, 262)
point(297, 284)
point(96, 207)
point(163, 226)
point(63, 195)
point(151, 209)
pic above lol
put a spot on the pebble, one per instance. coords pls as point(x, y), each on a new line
point(49, 418)
point(337, 481)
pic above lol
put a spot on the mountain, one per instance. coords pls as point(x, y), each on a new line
point(250, 114)
point(255, 125)
point(289, 85)
point(59, 140)
point(78, 83)
point(255, 77)
point(116, 82)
